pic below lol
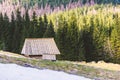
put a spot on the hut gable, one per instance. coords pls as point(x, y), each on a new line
point(40, 46)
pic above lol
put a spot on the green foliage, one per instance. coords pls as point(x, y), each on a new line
point(49, 31)
point(14, 32)
point(6, 35)
point(34, 25)
point(45, 24)
point(61, 38)
point(26, 25)
point(87, 33)
point(41, 30)
point(18, 32)
point(68, 40)
point(91, 32)
point(1, 31)
point(115, 38)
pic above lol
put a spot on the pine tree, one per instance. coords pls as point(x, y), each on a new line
point(40, 29)
point(17, 38)
point(115, 39)
point(6, 35)
point(34, 25)
point(73, 39)
point(26, 25)
point(1, 21)
point(11, 32)
point(1, 31)
point(97, 37)
point(81, 55)
point(87, 36)
point(50, 30)
point(26, 28)
point(61, 39)
point(45, 23)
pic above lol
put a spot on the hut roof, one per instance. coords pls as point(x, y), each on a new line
point(39, 46)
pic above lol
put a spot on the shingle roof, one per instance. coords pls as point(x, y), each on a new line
point(38, 46)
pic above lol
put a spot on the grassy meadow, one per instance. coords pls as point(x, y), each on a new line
point(100, 70)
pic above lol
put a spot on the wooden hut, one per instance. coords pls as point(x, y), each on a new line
point(43, 48)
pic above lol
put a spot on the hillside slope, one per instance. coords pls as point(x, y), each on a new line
point(90, 70)
point(33, 73)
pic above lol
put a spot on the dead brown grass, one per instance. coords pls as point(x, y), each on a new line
point(97, 71)
point(102, 65)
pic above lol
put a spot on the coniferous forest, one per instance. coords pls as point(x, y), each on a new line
point(83, 31)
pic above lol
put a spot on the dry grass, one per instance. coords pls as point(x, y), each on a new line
point(102, 65)
point(97, 71)
point(11, 54)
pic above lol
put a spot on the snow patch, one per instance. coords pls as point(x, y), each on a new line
point(16, 72)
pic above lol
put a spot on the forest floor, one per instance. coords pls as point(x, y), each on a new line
point(96, 71)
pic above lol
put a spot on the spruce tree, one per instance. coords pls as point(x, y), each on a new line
point(1, 26)
point(40, 28)
point(34, 25)
point(26, 28)
point(50, 30)
point(6, 35)
point(87, 36)
point(61, 40)
point(11, 32)
point(26, 25)
point(18, 33)
point(45, 23)
point(1, 31)
point(115, 39)
point(73, 39)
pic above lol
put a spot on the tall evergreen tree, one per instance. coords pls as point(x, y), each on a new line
point(6, 35)
point(61, 40)
point(50, 30)
point(18, 33)
point(1, 26)
point(73, 39)
point(45, 24)
point(1, 31)
point(40, 28)
point(26, 25)
point(34, 25)
point(87, 36)
point(11, 32)
point(115, 39)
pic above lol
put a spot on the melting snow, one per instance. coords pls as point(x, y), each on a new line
point(16, 72)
